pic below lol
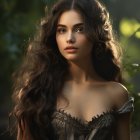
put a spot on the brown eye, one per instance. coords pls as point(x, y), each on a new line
point(61, 30)
point(79, 29)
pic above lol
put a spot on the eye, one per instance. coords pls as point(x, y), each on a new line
point(79, 29)
point(61, 30)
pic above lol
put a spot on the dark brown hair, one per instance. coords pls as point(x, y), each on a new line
point(44, 70)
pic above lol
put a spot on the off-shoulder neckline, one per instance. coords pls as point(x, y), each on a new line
point(95, 117)
point(83, 122)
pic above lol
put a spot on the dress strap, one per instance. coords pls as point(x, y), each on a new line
point(127, 107)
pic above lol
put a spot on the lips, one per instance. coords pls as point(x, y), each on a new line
point(70, 47)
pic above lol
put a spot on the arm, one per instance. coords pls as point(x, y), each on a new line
point(23, 132)
point(122, 129)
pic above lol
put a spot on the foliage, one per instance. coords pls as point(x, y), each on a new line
point(18, 20)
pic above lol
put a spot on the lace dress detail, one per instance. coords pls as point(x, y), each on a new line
point(100, 127)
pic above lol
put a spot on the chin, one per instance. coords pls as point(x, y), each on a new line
point(70, 57)
point(74, 59)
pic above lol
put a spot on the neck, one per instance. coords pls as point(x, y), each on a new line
point(83, 71)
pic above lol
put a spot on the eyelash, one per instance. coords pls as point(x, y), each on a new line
point(62, 30)
point(80, 28)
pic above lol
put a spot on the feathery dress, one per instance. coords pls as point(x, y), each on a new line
point(100, 127)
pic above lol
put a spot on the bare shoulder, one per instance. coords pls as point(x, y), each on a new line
point(118, 93)
point(118, 88)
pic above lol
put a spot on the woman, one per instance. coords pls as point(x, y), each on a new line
point(69, 86)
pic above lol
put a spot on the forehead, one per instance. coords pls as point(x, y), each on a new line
point(70, 17)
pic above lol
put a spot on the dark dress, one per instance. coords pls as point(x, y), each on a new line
point(100, 128)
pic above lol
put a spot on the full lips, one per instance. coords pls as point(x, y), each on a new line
point(71, 50)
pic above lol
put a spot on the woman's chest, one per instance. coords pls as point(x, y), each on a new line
point(84, 103)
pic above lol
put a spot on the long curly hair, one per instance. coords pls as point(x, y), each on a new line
point(44, 70)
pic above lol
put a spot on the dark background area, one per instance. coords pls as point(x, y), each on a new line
point(18, 23)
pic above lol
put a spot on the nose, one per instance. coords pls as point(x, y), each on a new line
point(70, 38)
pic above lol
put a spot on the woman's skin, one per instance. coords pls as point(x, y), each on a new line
point(70, 32)
point(88, 94)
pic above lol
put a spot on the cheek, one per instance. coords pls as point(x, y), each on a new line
point(59, 42)
point(83, 41)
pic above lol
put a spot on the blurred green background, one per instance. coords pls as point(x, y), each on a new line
point(18, 23)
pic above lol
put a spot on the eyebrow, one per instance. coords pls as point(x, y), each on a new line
point(78, 24)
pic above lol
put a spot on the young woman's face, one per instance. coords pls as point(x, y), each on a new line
point(71, 38)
